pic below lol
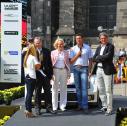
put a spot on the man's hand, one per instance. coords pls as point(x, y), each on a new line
point(79, 54)
point(75, 57)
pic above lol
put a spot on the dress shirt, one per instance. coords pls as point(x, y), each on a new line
point(54, 56)
point(60, 61)
point(101, 53)
point(85, 56)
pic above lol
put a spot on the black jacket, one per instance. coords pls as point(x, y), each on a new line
point(106, 59)
point(46, 64)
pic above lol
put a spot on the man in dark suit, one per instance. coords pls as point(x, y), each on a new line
point(43, 79)
point(104, 69)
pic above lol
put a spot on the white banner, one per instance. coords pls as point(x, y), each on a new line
point(11, 35)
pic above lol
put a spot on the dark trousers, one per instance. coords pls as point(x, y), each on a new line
point(30, 86)
point(45, 83)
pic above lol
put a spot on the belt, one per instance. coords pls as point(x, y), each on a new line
point(100, 67)
point(59, 68)
point(80, 66)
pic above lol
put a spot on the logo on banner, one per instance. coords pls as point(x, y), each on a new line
point(10, 20)
point(10, 64)
point(11, 7)
point(9, 79)
point(10, 71)
point(11, 52)
point(11, 32)
point(11, 15)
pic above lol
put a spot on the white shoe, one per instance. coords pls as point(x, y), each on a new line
point(107, 113)
point(103, 109)
point(63, 109)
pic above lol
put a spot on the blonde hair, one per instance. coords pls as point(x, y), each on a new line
point(31, 51)
point(56, 42)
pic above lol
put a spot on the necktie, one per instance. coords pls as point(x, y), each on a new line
point(40, 55)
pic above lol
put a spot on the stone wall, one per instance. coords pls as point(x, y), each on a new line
point(80, 15)
point(120, 35)
point(41, 20)
point(120, 42)
point(121, 21)
point(66, 17)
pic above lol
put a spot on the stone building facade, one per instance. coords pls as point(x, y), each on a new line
point(64, 18)
point(41, 20)
point(120, 35)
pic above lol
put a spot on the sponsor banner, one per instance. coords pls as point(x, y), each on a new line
point(10, 32)
point(11, 36)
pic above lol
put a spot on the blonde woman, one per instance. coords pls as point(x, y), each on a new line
point(61, 72)
point(31, 64)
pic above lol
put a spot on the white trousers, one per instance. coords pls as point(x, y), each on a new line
point(104, 83)
point(59, 82)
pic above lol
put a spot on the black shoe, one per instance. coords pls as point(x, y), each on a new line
point(54, 111)
point(38, 112)
point(79, 108)
point(85, 111)
point(49, 110)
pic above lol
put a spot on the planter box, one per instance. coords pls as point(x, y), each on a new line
point(8, 110)
point(121, 117)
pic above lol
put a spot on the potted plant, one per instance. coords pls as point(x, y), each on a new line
point(8, 97)
point(1, 97)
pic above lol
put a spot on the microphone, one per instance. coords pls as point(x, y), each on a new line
point(80, 50)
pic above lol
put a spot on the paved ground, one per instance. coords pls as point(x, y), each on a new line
point(68, 118)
